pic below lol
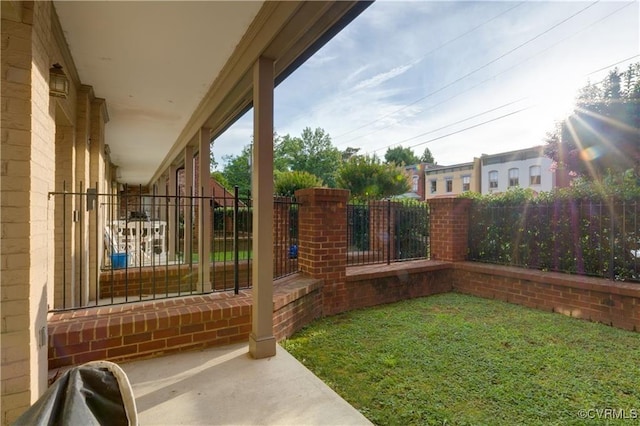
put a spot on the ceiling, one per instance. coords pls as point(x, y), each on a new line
point(168, 68)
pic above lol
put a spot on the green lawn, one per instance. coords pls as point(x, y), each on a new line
point(220, 256)
point(459, 360)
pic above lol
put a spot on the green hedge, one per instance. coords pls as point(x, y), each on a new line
point(587, 229)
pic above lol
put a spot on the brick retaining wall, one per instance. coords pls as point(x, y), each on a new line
point(595, 299)
point(146, 329)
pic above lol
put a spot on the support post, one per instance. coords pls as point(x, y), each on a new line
point(172, 221)
point(262, 342)
point(188, 207)
point(205, 206)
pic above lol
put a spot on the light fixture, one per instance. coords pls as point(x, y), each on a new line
point(58, 82)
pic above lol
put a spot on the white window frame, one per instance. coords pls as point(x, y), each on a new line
point(514, 177)
point(535, 179)
point(493, 183)
point(466, 183)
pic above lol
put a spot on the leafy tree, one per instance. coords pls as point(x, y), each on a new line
point(287, 183)
point(603, 133)
point(349, 152)
point(427, 157)
point(312, 152)
point(401, 156)
point(368, 177)
point(237, 170)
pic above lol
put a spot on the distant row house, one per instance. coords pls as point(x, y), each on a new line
point(489, 174)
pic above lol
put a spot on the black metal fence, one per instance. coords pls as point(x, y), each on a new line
point(134, 246)
point(573, 236)
point(387, 231)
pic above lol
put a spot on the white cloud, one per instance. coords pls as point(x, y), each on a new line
point(384, 78)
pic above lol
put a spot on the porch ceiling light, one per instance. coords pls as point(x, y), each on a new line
point(58, 82)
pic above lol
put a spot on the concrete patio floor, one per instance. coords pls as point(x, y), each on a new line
point(225, 386)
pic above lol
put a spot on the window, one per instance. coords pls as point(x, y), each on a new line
point(449, 183)
point(513, 178)
point(493, 179)
point(434, 186)
point(535, 175)
point(466, 183)
point(414, 183)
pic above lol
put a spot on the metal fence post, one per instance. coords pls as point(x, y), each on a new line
point(236, 261)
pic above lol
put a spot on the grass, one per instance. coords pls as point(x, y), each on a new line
point(460, 360)
point(220, 256)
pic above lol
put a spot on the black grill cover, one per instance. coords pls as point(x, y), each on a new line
point(96, 393)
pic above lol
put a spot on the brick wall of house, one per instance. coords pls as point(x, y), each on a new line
point(27, 173)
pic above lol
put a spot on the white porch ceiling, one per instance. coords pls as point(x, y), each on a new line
point(153, 62)
point(168, 68)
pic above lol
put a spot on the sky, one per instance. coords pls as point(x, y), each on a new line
point(460, 78)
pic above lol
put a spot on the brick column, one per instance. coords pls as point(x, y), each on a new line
point(449, 219)
point(323, 242)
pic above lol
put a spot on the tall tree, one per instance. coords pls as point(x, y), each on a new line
point(401, 156)
point(237, 170)
point(368, 177)
point(312, 152)
point(427, 157)
point(349, 152)
point(603, 133)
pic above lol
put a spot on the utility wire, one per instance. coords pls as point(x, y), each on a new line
point(503, 72)
point(483, 113)
point(470, 73)
point(507, 70)
point(446, 43)
point(612, 65)
point(454, 123)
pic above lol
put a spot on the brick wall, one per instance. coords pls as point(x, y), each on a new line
point(378, 284)
point(153, 328)
point(147, 329)
point(594, 299)
point(170, 279)
point(27, 173)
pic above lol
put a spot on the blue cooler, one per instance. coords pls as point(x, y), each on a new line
point(118, 260)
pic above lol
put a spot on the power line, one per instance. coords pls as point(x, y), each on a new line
point(448, 42)
point(470, 73)
point(612, 65)
point(511, 68)
point(483, 113)
point(468, 128)
point(457, 122)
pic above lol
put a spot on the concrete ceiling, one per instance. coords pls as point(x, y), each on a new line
point(153, 62)
point(169, 68)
